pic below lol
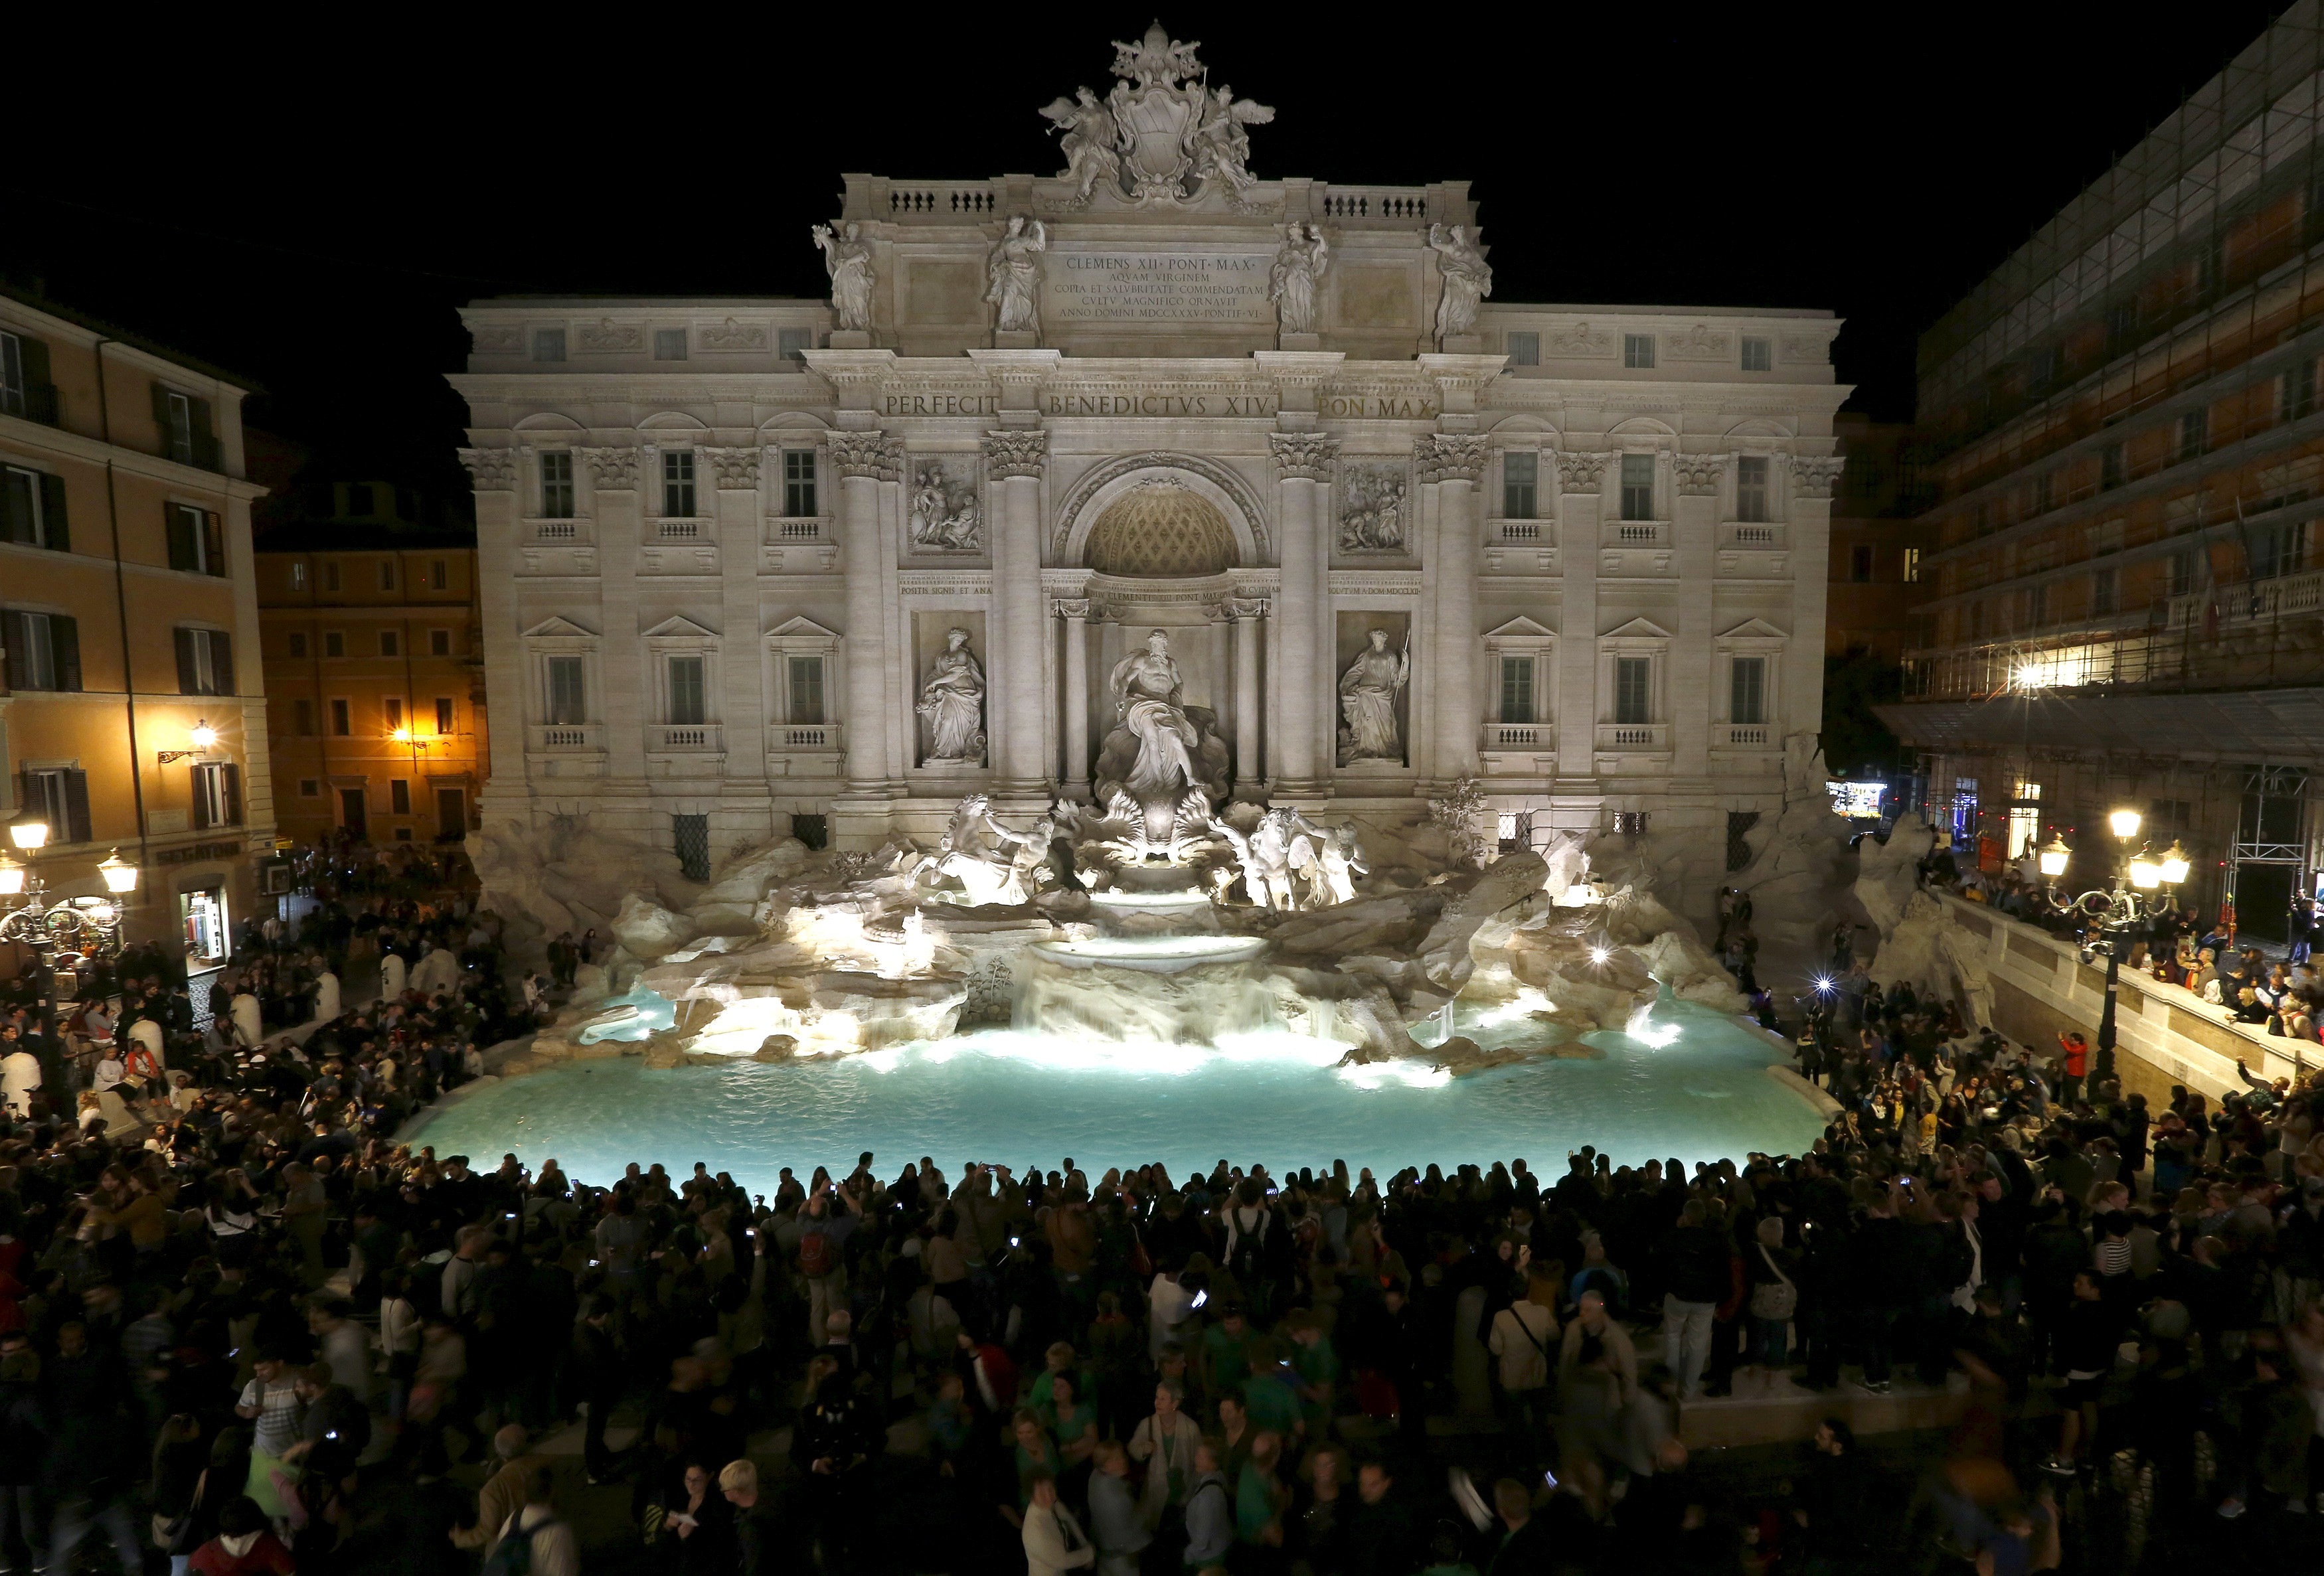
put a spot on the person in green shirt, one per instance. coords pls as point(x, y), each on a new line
point(1260, 1498)
point(1036, 1452)
point(1271, 1394)
point(1225, 1357)
point(1317, 1367)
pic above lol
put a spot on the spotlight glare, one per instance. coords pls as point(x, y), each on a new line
point(1599, 954)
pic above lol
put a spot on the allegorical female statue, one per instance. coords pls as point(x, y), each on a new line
point(1297, 275)
point(847, 258)
point(1467, 279)
point(953, 702)
point(1367, 691)
point(1014, 276)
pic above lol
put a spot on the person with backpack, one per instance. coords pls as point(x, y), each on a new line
point(533, 1542)
point(1255, 1246)
point(824, 1225)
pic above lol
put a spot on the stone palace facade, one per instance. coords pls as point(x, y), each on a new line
point(748, 561)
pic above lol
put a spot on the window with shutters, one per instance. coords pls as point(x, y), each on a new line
point(331, 576)
point(557, 484)
point(686, 697)
point(398, 796)
point(1859, 564)
point(1634, 690)
point(390, 711)
point(439, 574)
point(690, 839)
point(1525, 347)
point(1637, 486)
point(1747, 690)
point(1516, 689)
point(177, 427)
point(341, 719)
point(43, 650)
point(390, 643)
point(2194, 434)
point(670, 345)
point(439, 642)
point(11, 375)
point(1758, 355)
point(805, 689)
point(1751, 488)
point(2299, 398)
point(35, 504)
point(296, 641)
point(196, 539)
point(303, 718)
point(217, 795)
point(799, 483)
point(1912, 566)
point(335, 643)
point(1520, 484)
point(205, 661)
point(1638, 350)
point(58, 794)
point(443, 717)
point(678, 484)
point(310, 787)
point(566, 705)
point(298, 575)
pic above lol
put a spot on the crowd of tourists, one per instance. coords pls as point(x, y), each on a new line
point(243, 1330)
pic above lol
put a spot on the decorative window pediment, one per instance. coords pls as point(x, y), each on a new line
point(1754, 632)
point(804, 634)
point(1639, 630)
point(680, 628)
point(1519, 631)
point(557, 626)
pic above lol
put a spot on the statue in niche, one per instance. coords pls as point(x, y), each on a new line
point(1372, 515)
point(1296, 278)
point(953, 702)
point(945, 515)
point(1088, 133)
point(1163, 766)
point(1467, 279)
point(1368, 693)
point(1014, 276)
point(848, 259)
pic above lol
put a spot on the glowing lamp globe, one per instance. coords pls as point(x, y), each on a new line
point(29, 831)
point(120, 875)
point(2174, 864)
point(203, 736)
point(12, 877)
point(2145, 872)
point(2054, 857)
point(2125, 823)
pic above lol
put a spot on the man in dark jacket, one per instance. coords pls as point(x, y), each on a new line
point(599, 1375)
point(1695, 1272)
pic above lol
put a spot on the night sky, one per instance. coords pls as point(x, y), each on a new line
point(314, 224)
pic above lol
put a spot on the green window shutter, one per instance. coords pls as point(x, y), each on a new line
point(221, 663)
point(189, 671)
point(232, 775)
point(76, 803)
point(12, 648)
point(16, 505)
point(206, 444)
point(179, 524)
point(214, 543)
point(53, 512)
point(34, 355)
point(162, 418)
point(64, 647)
point(199, 805)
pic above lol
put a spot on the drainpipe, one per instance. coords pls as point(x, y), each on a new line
point(121, 607)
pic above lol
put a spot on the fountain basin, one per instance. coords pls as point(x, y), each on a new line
point(1153, 954)
point(1181, 902)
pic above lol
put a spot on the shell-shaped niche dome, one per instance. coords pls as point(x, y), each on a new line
point(1161, 531)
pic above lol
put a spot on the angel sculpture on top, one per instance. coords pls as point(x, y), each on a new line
point(1163, 134)
point(1087, 134)
point(1221, 142)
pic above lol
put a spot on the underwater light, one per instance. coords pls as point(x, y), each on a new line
point(1599, 954)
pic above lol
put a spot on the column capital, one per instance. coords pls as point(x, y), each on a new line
point(1698, 473)
point(736, 469)
point(1449, 456)
point(490, 470)
point(1303, 456)
point(1814, 476)
point(611, 468)
point(865, 454)
point(1583, 473)
point(1016, 453)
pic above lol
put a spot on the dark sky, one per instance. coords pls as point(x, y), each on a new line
point(314, 224)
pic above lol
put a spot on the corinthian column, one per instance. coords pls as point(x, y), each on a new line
point(1303, 470)
point(1014, 460)
point(1450, 462)
point(863, 460)
point(1074, 615)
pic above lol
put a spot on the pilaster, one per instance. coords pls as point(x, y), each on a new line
point(1303, 464)
point(1015, 461)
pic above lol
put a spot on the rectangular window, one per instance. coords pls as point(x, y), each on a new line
point(678, 484)
point(549, 345)
point(2037, 605)
point(1638, 350)
point(1860, 563)
point(2194, 434)
point(805, 689)
point(686, 697)
point(1634, 690)
point(2275, 550)
point(298, 575)
point(2180, 574)
point(791, 343)
point(35, 504)
point(177, 411)
point(1747, 690)
point(303, 718)
point(439, 642)
point(690, 837)
point(1751, 488)
point(2103, 593)
point(390, 645)
point(387, 574)
point(565, 702)
point(799, 483)
point(670, 345)
point(2300, 392)
point(1912, 566)
point(1516, 689)
point(196, 539)
point(41, 651)
point(216, 795)
point(555, 484)
point(439, 574)
point(1525, 347)
point(310, 787)
point(2113, 469)
point(1637, 486)
point(59, 795)
point(390, 711)
point(331, 576)
point(1758, 355)
point(2041, 367)
point(341, 722)
point(335, 643)
point(1520, 483)
point(444, 716)
point(205, 661)
point(11, 375)
point(398, 796)
point(2039, 501)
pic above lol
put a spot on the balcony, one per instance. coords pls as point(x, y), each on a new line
point(33, 401)
point(803, 736)
point(1636, 533)
point(560, 533)
point(1752, 537)
point(685, 739)
point(1524, 533)
point(684, 530)
point(1519, 736)
point(1634, 738)
point(803, 531)
point(565, 749)
point(804, 749)
point(1745, 736)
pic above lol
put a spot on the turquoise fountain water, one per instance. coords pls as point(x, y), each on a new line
point(1683, 1080)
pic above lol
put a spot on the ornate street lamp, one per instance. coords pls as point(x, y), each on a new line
point(2112, 913)
point(202, 735)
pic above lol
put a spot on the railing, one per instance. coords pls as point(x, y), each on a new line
point(1751, 536)
point(557, 531)
point(1385, 205)
point(805, 530)
point(681, 531)
point(803, 736)
point(1523, 531)
point(947, 202)
point(33, 401)
point(2253, 601)
point(1634, 735)
point(1636, 533)
point(1519, 736)
point(686, 737)
point(555, 737)
point(1747, 735)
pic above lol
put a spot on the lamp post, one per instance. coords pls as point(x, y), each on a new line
point(2112, 912)
point(27, 918)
